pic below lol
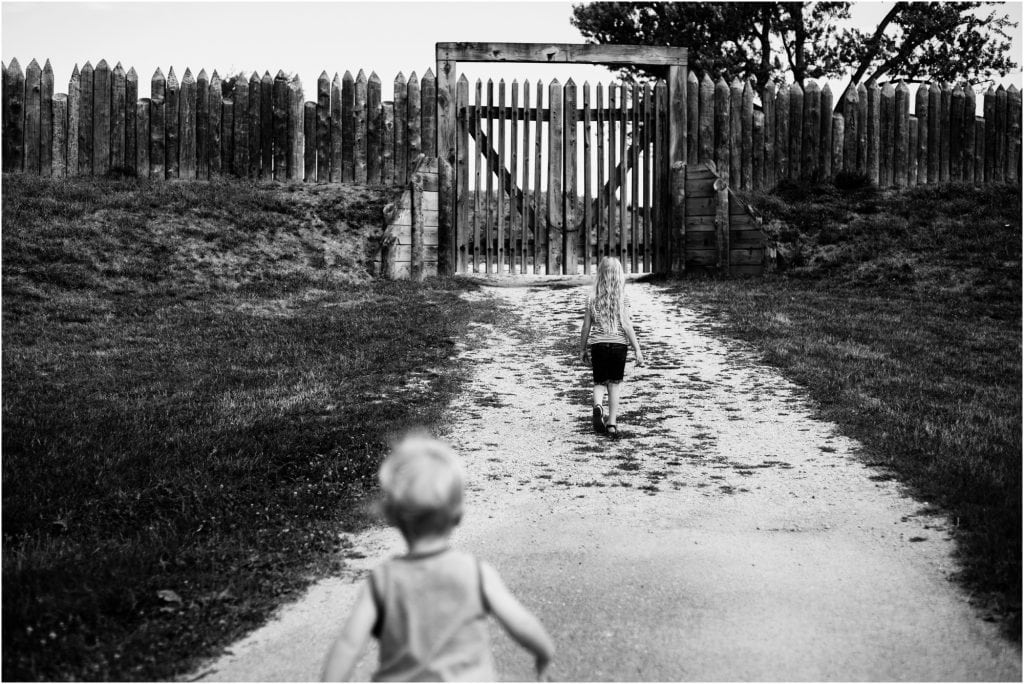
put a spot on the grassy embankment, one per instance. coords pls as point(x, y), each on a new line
point(198, 384)
point(901, 313)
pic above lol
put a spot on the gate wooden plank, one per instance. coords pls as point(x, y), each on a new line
point(500, 234)
point(706, 132)
point(956, 134)
point(768, 106)
point(934, 131)
point(33, 114)
point(142, 138)
point(623, 137)
point(215, 105)
point(462, 161)
point(374, 130)
point(172, 131)
point(540, 217)
point(782, 134)
point(570, 231)
point(280, 103)
point(722, 121)
point(555, 224)
point(348, 127)
point(479, 227)
point(811, 135)
point(660, 190)
point(402, 128)
point(634, 188)
point(46, 126)
point(490, 228)
point(796, 127)
point(187, 119)
point(646, 142)
point(825, 139)
point(587, 251)
point(74, 111)
point(613, 181)
point(524, 202)
point(255, 125)
point(514, 231)
point(746, 169)
point(266, 126)
point(692, 118)
point(970, 107)
point(599, 216)
point(922, 114)
point(901, 133)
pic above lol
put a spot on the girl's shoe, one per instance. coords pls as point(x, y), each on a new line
point(598, 419)
point(612, 431)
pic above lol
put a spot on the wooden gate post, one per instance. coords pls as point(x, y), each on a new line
point(676, 155)
point(446, 150)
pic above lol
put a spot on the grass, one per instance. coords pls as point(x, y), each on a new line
point(199, 381)
point(901, 313)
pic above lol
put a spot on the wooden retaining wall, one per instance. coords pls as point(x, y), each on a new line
point(410, 245)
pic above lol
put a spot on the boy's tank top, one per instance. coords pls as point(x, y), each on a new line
point(431, 619)
point(598, 334)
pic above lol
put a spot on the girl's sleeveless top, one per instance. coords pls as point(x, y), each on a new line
point(431, 619)
point(598, 334)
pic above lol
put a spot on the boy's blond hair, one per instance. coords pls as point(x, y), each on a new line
point(422, 484)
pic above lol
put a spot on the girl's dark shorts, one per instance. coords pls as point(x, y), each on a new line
point(609, 361)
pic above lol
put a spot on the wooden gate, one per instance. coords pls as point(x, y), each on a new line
point(550, 178)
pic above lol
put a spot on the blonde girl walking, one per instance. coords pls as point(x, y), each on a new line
point(608, 331)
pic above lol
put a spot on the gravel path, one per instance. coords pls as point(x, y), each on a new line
point(728, 536)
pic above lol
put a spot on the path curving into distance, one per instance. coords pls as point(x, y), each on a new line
point(728, 536)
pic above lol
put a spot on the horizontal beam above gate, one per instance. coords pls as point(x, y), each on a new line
point(554, 53)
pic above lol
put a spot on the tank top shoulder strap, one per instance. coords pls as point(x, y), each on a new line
point(378, 601)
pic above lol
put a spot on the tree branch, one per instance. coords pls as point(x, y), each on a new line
point(873, 44)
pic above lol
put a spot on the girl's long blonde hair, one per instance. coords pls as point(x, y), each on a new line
point(608, 293)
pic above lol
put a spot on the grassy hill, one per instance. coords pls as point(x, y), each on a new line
point(901, 313)
point(199, 381)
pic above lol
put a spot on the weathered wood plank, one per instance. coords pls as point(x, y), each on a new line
point(677, 236)
point(479, 160)
point(901, 135)
point(796, 127)
point(706, 129)
point(446, 257)
point(172, 132)
point(280, 110)
point(677, 116)
point(945, 134)
point(387, 143)
point(131, 97)
point(33, 115)
point(462, 224)
point(934, 131)
point(999, 163)
point(59, 136)
point(921, 111)
point(811, 134)
point(956, 134)
point(746, 175)
point(187, 125)
point(555, 225)
point(334, 164)
point(722, 228)
point(757, 152)
point(825, 138)
point(255, 125)
point(296, 128)
point(588, 247)
point(266, 126)
point(839, 140)
point(348, 127)
point(692, 118)
point(874, 133)
point(600, 216)
point(528, 216)
point(215, 105)
point(851, 125)
point(413, 134)
point(157, 140)
point(142, 135)
point(401, 99)
point(444, 111)
point(970, 108)
point(309, 141)
point(782, 134)
point(549, 53)
point(646, 142)
point(635, 258)
point(735, 133)
point(117, 117)
point(540, 213)
point(570, 234)
point(323, 128)
point(374, 138)
point(1013, 135)
point(14, 118)
point(46, 120)
point(428, 114)
point(990, 134)
point(227, 136)
point(74, 114)
point(360, 131)
point(980, 137)
point(500, 211)
point(513, 230)
point(613, 176)
point(416, 202)
point(490, 223)
point(85, 118)
point(912, 133)
point(623, 180)
point(864, 113)
point(768, 107)
point(722, 123)
point(661, 188)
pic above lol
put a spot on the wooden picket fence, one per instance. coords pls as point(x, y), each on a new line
point(261, 127)
point(201, 127)
point(798, 134)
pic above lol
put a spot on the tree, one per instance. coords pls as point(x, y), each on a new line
point(772, 40)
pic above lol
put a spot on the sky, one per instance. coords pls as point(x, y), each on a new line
point(306, 37)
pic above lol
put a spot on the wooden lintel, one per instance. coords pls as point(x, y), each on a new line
point(565, 53)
